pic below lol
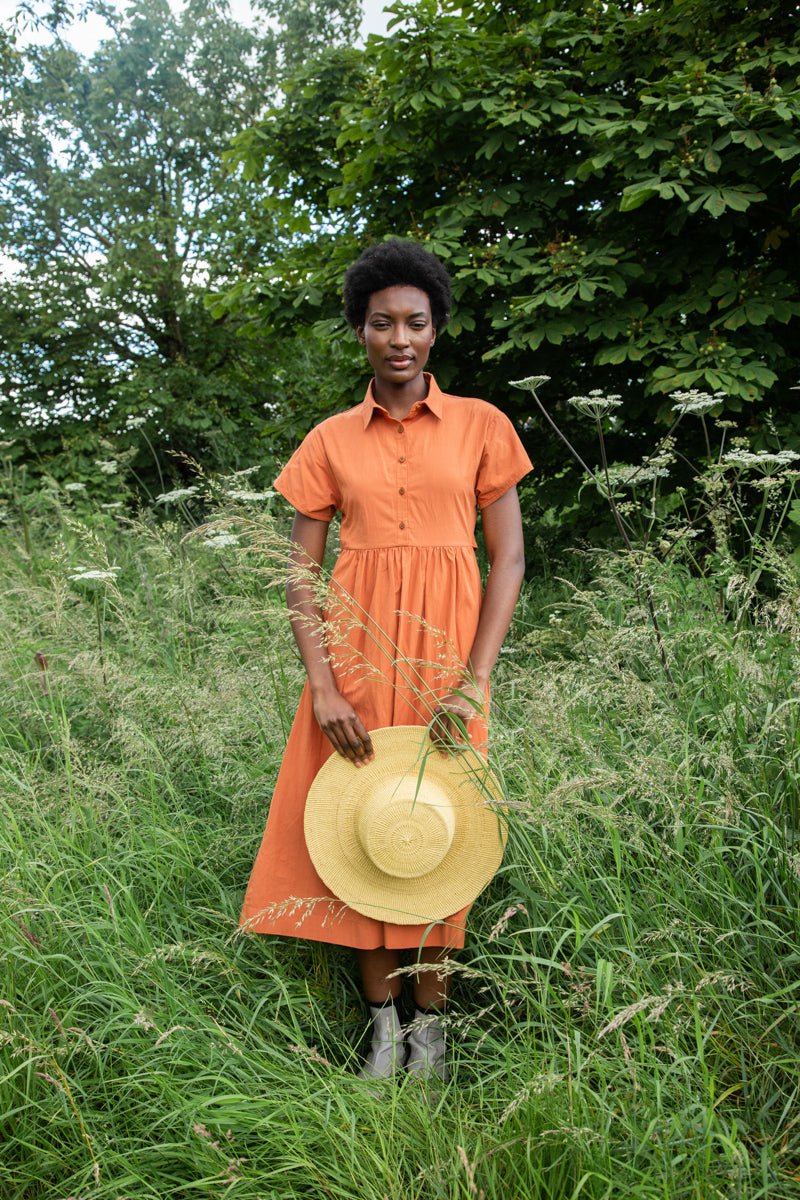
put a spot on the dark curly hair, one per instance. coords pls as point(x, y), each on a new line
point(396, 263)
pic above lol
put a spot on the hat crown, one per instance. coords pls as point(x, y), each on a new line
point(406, 826)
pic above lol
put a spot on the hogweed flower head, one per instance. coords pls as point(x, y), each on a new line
point(135, 422)
point(622, 476)
point(177, 494)
point(595, 405)
point(237, 495)
point(760, 460)
point(109, 574)
point(221, 539)
point(696, 402)
point(530, 383)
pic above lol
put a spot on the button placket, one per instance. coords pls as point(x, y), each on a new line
point(402, 487)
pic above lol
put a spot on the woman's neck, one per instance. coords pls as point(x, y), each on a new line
point(399, 399)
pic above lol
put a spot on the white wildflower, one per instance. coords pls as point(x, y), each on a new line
point(116, 504)
point(177, 494)
point(110, 573)
point(620, 475)
point(74, 487)
point(107, 466)
point(245, 471)
point(759, 460)
point(135, 422)
point(530, 383)
point(251, 495)
point(595, 404)
point(221, 539)
point(5, 445)
point(696, 402)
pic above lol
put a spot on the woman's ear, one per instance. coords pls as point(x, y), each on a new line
point(360, 335)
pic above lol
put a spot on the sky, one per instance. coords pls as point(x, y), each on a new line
point(86, 35)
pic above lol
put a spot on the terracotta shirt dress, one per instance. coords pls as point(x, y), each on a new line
point(400, 618)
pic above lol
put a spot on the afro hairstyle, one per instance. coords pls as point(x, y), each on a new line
point(396, 263)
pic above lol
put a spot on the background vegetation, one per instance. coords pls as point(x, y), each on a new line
point(625, 1013)
point(612, 187)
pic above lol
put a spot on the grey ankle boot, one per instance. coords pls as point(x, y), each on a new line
point(387, 1053)
point(426, 1047)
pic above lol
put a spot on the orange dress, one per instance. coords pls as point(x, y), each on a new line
point(401, 616)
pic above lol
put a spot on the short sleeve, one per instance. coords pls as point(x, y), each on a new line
point(503, 461)
point(308, 482)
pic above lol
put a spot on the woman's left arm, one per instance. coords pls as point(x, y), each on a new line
point(502, 531)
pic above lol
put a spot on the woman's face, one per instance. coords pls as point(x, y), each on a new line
point(398, 333)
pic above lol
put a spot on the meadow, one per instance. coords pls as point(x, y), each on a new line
point(625, 1015)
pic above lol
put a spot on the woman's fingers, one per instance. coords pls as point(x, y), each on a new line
point(448, 729)
point(350, 739)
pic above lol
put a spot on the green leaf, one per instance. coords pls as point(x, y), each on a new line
point(711, 160)
point(742, 197)
point(737, 318)
point(612, 354)
point(714, 204)
point(631, 200)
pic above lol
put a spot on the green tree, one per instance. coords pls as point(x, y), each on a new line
point(610, 185)
point(118, 214)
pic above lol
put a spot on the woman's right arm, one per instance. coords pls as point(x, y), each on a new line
point(337, 718)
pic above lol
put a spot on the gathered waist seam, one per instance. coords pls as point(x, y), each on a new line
point(409, 546)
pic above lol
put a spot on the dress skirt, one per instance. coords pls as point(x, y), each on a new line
point(393, 673)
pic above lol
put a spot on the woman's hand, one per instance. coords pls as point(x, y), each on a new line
point(447, 730)
point(342, 726)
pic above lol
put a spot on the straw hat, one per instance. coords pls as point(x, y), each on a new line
point(413, 836)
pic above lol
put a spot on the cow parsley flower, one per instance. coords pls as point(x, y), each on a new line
point(623, 476)
point(696, 402)
point(74, 487)
point(759, 460)
point(107, 466)
point(110, 573)
point(595, 405)
point(251, 495)
point(530, 383)
point(135, 422)
point(177, 494)
point(221, 539)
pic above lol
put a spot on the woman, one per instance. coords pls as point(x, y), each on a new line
point(407, 639)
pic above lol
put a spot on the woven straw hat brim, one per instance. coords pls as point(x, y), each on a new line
point(460, 786)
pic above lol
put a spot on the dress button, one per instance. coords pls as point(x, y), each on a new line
point(402, 491)
point(402, 458)
point(402, 525)
point(400, 429)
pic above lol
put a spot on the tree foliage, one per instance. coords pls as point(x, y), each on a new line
point(118, 213)
point(610, 185)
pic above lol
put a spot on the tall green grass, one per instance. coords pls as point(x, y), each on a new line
point(625, 1016)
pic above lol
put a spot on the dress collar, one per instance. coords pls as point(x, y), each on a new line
point(433, 401)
